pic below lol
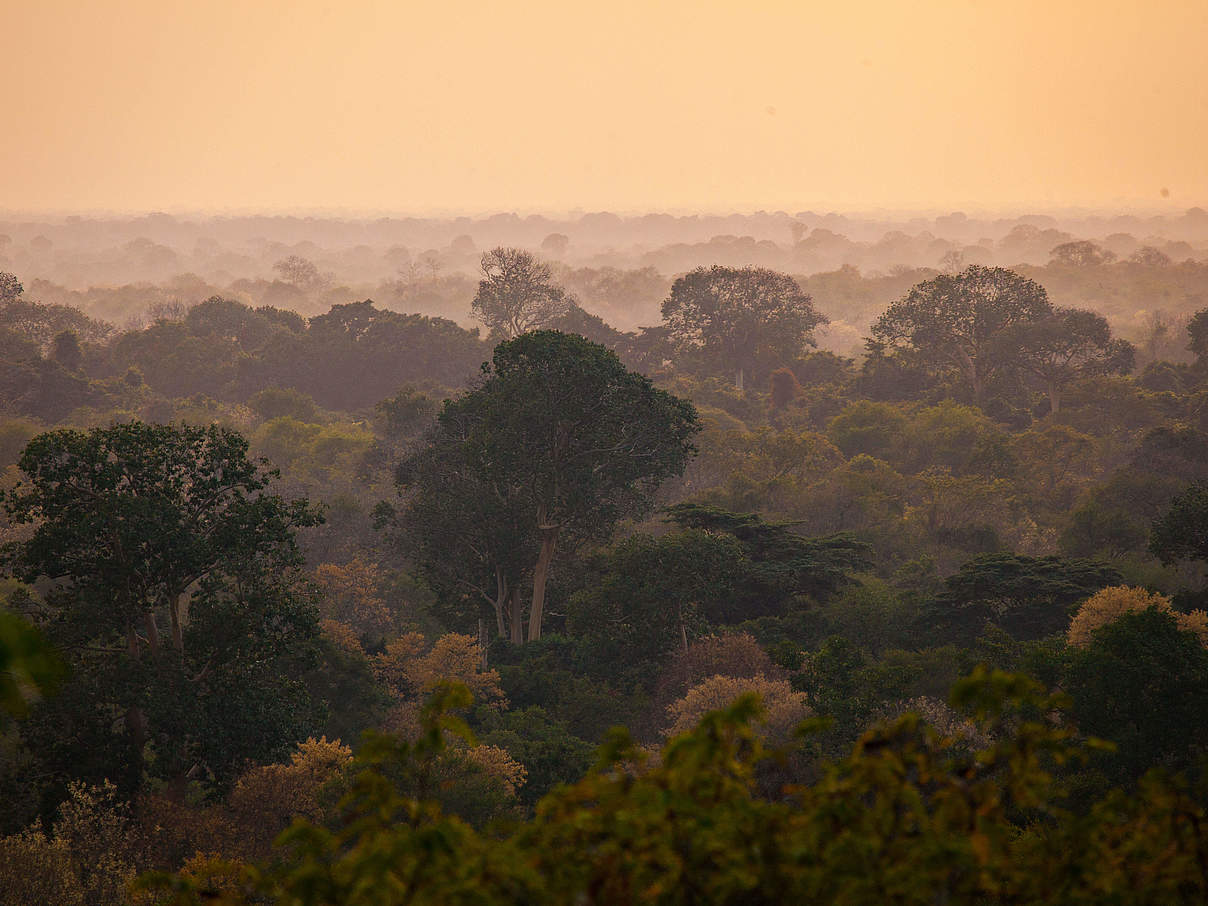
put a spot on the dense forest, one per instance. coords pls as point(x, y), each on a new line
point(775, 559)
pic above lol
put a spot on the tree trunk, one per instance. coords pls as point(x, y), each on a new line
point(549, 539)
point(517, 617)
point(152, 632)
point(500, 603)
point(738, 379)
point(1054, 399)
point(178, 633)
point(136, 721)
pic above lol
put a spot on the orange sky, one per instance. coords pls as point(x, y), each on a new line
point(554, 104)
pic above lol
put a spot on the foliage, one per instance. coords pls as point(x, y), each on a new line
point(783, 708)
point(741, 320)
point(560, 435)
point(517, 294)
point(910, 816)
point(1142, 683)
point(138, 524)
point(958, 322)
point(29, 667)
point(1029, 597)
point(1109, 604)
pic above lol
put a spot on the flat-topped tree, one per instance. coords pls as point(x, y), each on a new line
point(561, 432)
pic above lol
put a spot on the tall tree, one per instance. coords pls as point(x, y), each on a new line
point(741, 319)
point(561, 432)
point(1068, 344)
point(957, 321)
point(168, 563)
point(517, 293)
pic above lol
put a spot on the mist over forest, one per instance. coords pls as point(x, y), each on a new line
point(691, 453)
point(126, 271)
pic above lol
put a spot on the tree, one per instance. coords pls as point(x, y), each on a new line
point(1148, 256)
point(1068, 344)
point(555, 244)
point(1027, 596)
point(65, 349)
point(956, 322)
point(1182, 533)
point(137, 523)
point(1081, 253)
point(1109, 604)
point(517, 293)
point(468, 536)
point(10, 287)
point(1197, 331)
point(742, 320)
point(560, 435)
point(1142, 683)
point(652, 595)
point(299, 272)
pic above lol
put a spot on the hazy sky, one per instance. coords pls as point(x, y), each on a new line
point(533, 105)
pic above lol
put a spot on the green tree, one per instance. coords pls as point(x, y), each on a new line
point(1029, 597)
point(957, 322)
point(138, 525)
point(517, 293)
point(653, 595)
point(1068, 344)
point(28, 665)
point(1182, 533)
point(741, 320)
point(1143, 684)
point(561, 432)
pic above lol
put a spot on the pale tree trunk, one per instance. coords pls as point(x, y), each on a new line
point(1054, 399)
point(549, 540)
point(517, 617)
point(152, 632)
point(500, 602)
point(178, 633)
point(738, 379)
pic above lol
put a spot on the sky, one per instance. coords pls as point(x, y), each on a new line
point(448, 106)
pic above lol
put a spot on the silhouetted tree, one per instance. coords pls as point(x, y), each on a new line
point(517, 293)
point(957, 322)
point(741, 319)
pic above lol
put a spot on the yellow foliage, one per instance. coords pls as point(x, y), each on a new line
point(1109, 604)
point(784, 708)
point(351, 596)
point(343, 635)
point(268, 797)
point(498, 763)
point(411, 671)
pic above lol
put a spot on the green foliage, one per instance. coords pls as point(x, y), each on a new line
point(137, 524)
point(1029, 597)
point(29, 667)
point(654, 594)
point(740, 320)
point(1182, 534)
point(909, 817)
point(1143, 684)
point(559, 440)
point(959, 322)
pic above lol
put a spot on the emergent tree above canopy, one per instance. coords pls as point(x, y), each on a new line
point(560, 432)
point(741, 319)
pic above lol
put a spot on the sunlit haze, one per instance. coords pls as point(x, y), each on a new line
point(553, 106)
